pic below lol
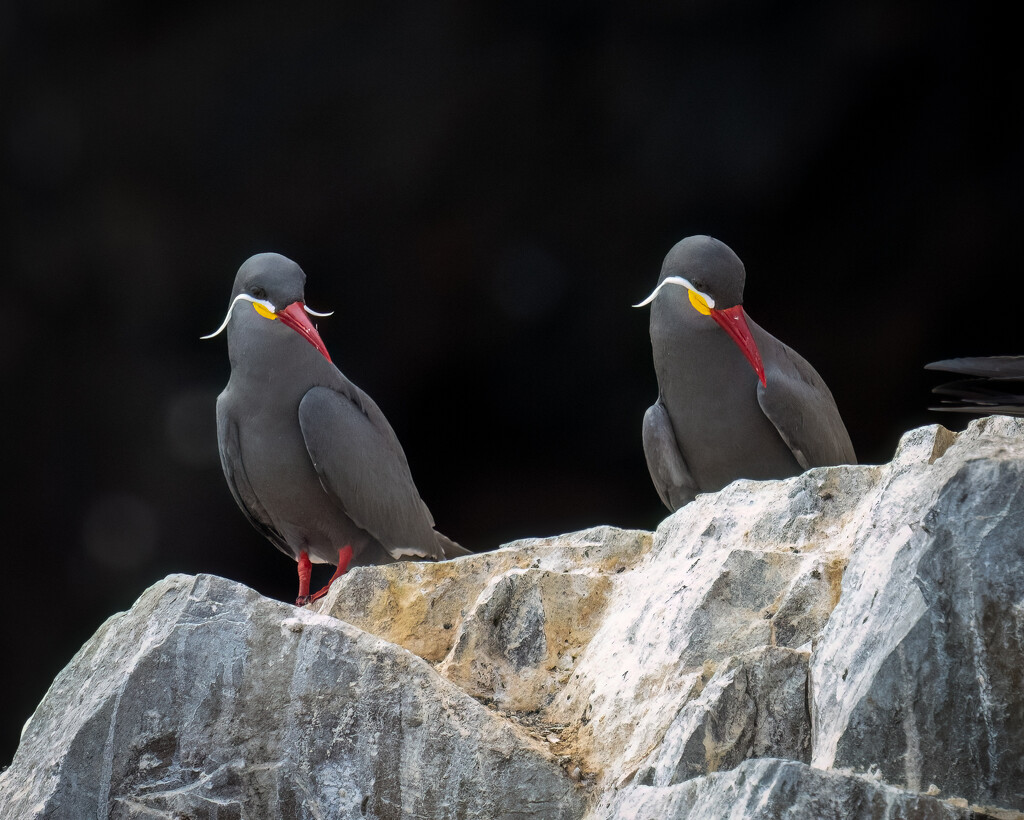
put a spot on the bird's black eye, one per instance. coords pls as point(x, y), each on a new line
point(259, 292)
point(697, 283)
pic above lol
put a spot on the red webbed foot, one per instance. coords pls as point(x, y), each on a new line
point(305, 570)
point(344, 559)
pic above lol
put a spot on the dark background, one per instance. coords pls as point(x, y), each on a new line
point(480, 194)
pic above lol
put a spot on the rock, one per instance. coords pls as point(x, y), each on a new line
point(756, 565)
point(422, 606)
point(920, 669)
point(519, 643)
point(507, 625)
point(753, 705)
point(767, 789)
point(846, 643)
point(209, 701)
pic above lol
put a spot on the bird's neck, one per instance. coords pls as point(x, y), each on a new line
point(276, 360)
point(695, 358)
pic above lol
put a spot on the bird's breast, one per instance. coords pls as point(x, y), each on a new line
point(710, 392)
point(284, 479)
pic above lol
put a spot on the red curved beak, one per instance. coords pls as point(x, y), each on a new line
point(734, 322)
point(295, 317)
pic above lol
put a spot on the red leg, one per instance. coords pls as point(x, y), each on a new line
point(305, 569)
point(344, 558)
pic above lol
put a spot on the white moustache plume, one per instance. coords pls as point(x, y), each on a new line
point(266, 304)
point(676, 280)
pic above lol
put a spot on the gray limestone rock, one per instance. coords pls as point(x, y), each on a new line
point(754, 705)
point(866, 620)
point(920, 672)
point(518, 644)
point(769, 789)
point(209, 701)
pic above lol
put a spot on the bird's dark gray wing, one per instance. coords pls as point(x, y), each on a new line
point(992, 367)
point(361, 463)
point(238, 482)
point(1002, 396)
point(798, 402)
point(668, 469)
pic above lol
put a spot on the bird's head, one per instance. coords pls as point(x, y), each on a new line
point(273, 285)
point(713, 277)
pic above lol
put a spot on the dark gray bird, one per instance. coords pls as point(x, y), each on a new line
point(308, 456)
point(995, 385)
point(733, 401)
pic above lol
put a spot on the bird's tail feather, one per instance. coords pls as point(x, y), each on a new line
point(449, 547)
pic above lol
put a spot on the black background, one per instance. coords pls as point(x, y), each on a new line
point(480, 192)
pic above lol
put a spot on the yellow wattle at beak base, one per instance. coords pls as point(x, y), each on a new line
point(262, 311)
point(698, 303)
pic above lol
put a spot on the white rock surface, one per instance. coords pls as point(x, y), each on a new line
point(919, 671)
point(847, 643)
point(209, 701)
point(768, 789)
